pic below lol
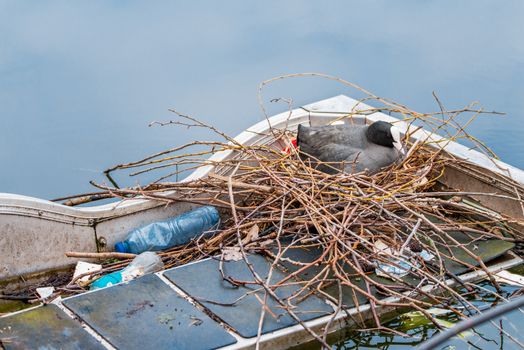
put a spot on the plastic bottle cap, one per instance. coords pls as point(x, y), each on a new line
point(121, 247)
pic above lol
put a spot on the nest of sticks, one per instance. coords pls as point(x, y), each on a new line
point(359, 225)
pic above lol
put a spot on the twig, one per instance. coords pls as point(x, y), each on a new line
point(106, 255)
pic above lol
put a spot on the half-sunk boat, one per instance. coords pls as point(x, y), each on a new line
point(169, 309)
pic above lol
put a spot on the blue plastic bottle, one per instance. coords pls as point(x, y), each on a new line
point(169, 233)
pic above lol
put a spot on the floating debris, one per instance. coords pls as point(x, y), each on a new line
point(82, 269)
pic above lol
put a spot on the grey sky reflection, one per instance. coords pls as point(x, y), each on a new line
point(80, 82)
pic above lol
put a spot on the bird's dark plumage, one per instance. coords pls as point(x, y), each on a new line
point(350, 148)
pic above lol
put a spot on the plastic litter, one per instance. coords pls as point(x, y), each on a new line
point(386, 270)
point(231, 254)
point(400, 266)
point(169, 233)
point(45, 292)
point(147, 262)
point(83, 267)
point(427, 256)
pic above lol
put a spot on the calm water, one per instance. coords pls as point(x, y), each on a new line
point(80, 83)
point(483, 337)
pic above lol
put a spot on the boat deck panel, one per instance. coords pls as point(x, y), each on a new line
point(302, 255)
point(203, 281)
point(147, 314)
point(45, 327)
point(487, 250)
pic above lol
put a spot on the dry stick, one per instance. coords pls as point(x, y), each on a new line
point(239, 184)
point(467, 251)
point(257, 277)
point(413, 232)
point(444, 285)
point(392, 292)
point(163, 198)
point(302, 269)
point(86, 199)
point(348, 283)
point(60, 199)
point(366, 293)
point(269, 275)
point(371, 302)
point(337, 311)
point(107, 255)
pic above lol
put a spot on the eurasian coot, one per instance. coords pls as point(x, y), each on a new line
point(350, 148)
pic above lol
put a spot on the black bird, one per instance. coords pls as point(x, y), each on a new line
point(352, 148)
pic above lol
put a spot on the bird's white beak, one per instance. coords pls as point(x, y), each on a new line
point(399, 148)
point(395, 132)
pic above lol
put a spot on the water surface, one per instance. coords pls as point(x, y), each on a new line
point(79, 82)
